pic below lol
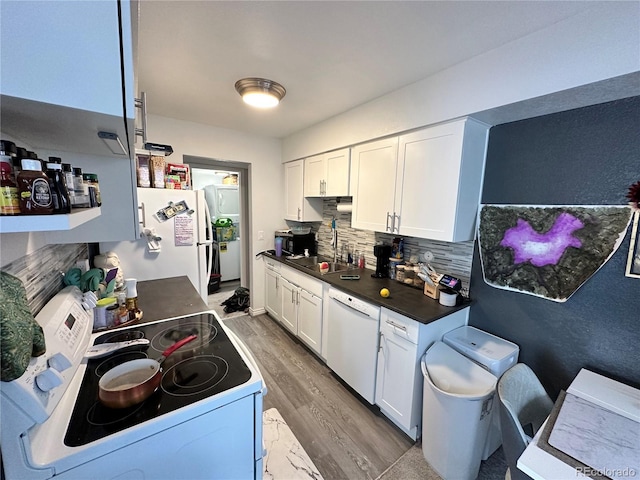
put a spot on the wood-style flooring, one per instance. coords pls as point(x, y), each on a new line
point(344, 436)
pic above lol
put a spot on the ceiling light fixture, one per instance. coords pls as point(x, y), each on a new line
point(260, 92)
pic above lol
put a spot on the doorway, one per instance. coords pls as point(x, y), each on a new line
point(226, 188)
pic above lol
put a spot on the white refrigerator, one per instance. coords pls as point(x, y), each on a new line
point(224, 202)
point(169, 247)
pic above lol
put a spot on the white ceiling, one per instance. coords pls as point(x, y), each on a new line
point(330, 56)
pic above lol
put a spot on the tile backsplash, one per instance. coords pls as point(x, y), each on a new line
point(41, 271)
point(451, 258)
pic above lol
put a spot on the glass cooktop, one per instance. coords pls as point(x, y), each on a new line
point(204, 367)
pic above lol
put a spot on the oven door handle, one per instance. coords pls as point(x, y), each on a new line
point(249, 356)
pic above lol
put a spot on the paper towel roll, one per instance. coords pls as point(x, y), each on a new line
point(344, 207)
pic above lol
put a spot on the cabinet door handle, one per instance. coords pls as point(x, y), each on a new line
point(298, 298)
point(387, 227)
point(396, 325)
point(292, 293)
point(277, 282)
point(298, 213)
point(380, 337)
point(320, 187)
point(143, 221)
point(397, 229)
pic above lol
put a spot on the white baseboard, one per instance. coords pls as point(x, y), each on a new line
point(256, 311)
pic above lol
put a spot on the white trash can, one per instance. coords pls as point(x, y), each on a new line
point(457, 403)
point(492, 353)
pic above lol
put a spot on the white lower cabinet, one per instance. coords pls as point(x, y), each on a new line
point(399, 380)
point(310, 320)
point(290, 300)
point(273, 289)
point(295, 300)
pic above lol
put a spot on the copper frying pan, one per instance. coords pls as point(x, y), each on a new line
point(134, 381)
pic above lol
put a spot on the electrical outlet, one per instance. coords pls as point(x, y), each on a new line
point(260, 234)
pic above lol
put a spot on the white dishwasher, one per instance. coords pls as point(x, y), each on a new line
point(352, 342)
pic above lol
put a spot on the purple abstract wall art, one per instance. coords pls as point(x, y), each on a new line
point(547, 251)
point(542, 248)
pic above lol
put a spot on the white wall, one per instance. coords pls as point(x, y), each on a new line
point(266, 197)
point(598, 44)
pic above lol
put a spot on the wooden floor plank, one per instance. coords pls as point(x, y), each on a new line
point(343, 435)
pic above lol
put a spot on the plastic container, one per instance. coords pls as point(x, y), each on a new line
point(100, 321)
point(458, 397)
point(278, 246)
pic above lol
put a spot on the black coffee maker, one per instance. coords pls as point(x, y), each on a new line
point(382, 253)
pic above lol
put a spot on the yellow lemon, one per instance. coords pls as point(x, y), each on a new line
point(384, 292)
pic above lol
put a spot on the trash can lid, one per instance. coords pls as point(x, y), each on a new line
point(453, 373)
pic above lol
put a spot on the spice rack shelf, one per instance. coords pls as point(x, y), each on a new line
point(47, 223)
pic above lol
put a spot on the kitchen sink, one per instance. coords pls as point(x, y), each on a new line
point(313, 263)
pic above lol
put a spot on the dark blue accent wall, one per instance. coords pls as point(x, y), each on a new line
point(587, 156)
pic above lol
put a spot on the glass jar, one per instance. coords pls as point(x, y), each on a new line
point(9, 198)
point(91, 179)
point(400, 273)
point(408, 274)
point(393, 263)
point(80, 198)
point(34, 190)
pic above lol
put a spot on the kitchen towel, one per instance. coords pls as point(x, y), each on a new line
point(20, 335)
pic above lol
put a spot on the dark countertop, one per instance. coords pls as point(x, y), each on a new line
point(168, 298)
point(405, 300)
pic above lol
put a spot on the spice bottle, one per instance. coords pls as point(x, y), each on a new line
point(17, 161)
point(132, 297)
point(91, 179)
point(34, 189)
point(9, 199)
point(59, 191)
point(68, 178)
point(123, 313)
point(80, 190)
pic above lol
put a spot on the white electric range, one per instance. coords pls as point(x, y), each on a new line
point(205, 420)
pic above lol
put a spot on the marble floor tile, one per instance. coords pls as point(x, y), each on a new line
point(285, 459)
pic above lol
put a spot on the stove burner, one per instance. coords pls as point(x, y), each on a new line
point(121, 336)
point(101, 416)
point(194, 375)
point(116, 359)
point(206, 332)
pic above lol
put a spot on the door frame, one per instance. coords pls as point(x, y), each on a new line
point(244, 184)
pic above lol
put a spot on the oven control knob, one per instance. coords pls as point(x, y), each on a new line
point(59, 362)
point(49, 379)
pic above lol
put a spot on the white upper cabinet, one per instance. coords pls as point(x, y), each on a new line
point(64, 53)
point(373, 173)
point(435, 193)
point(66, 77)
point(327, 175)
point(297, 207)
